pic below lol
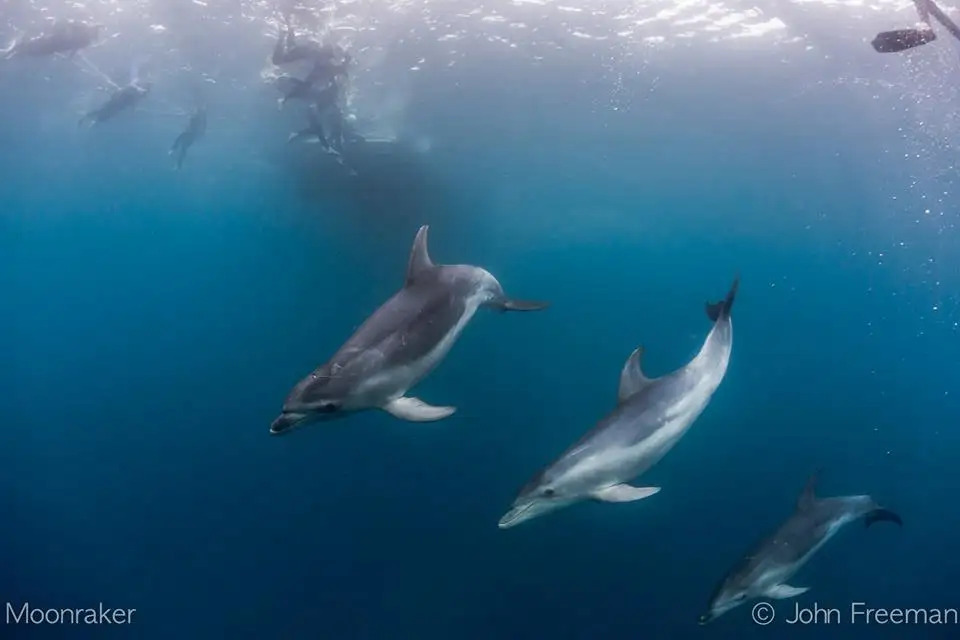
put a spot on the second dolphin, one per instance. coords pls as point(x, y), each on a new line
point(651, 416)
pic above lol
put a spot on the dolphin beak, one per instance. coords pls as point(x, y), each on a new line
point(513, 517)
point(705, 618)
point(285, 422)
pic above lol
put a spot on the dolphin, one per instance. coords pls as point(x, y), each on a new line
point(651, 416)
point(396, 347)
point(122, 99)
point(64, 36)
point(765, 570)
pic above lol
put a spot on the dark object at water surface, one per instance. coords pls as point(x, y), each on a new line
point(902, 40)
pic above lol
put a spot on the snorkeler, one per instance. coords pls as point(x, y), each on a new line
point(326, 71)
point(903, 39)
point(122, 99)
point(63, 36)
point(288, 50)
point(329, 136)
point(194, 131)
point(313, 130)
point(309, 89)
point(292, 88)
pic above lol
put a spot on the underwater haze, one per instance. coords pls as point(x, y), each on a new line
point(624, 161)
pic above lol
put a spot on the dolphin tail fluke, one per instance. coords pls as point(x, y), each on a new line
point(882, 515)
point(718, 310)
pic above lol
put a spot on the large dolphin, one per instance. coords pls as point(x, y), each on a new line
point(63, 36)
point(651, 416)
point(765, 570)
point(398, 345)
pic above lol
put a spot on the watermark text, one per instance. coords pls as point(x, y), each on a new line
point(856, 613)
point(25, 613)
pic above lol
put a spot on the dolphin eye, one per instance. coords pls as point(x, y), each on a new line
point(549, 492)
point(329, 407)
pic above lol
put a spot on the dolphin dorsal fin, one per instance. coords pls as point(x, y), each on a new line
point(632, 379)
point(419, 257)
point(809, 496)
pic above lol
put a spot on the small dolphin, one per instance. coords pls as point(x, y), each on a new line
point(651, 416)
point(765, 570)
point(122, 99)
point(399, 345)
point(64, 36)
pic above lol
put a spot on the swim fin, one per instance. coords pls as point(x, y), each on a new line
point(902, 40)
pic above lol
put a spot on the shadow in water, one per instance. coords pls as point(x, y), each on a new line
point(392, 190)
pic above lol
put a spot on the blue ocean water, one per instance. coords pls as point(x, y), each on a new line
point(155, 320)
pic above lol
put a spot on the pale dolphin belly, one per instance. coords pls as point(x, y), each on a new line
point(396, 378)
point(642, 430)
point(637, 457)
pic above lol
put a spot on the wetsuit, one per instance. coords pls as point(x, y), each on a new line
point(194, 131)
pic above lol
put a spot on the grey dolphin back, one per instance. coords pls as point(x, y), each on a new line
point(421, 263)
point(808, 499)
point(717, 311)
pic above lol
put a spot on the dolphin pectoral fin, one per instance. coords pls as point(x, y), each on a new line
point(632, 379)
point(416, 410)
point(784, 591)
point(624, 493)
point(882, 515)
point(505, 304)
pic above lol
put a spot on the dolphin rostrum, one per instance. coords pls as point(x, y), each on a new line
point(765, 570)
point(651, 416)
point(399, 345)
